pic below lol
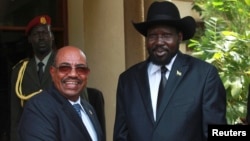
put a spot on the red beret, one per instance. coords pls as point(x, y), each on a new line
point(42, 19)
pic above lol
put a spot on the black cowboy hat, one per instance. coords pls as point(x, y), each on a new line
point(167, 13)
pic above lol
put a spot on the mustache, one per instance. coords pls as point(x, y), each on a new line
point(160, 47)
point(72, 78)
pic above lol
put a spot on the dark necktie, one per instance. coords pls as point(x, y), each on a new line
point(162, 85)
point(77, 107)
point(40, 70)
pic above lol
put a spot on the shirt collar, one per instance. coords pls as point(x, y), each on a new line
point(45, 59)
point(78, 101)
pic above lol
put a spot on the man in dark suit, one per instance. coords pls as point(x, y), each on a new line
point(25, 77)
point(59, 113)
point(25, 81)
point(191, 94)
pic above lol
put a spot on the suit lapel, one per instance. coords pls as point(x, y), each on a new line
point(47, 76)
point(32, 71)
point(177, 73)
point(93, 119)
point(74, 117)
point(69, 111)
point(144, 88)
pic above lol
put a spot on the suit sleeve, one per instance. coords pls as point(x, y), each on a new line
point(214, 101)
point(40, 128)
point(15, 105)
point(120, 127)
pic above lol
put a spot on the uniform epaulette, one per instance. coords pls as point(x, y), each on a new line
point(20, 62)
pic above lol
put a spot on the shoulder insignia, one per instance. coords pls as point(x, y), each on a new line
point(20, 62)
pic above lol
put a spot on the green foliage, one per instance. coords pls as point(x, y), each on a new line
point(225, 42)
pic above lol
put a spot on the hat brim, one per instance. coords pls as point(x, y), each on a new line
point(187, 25)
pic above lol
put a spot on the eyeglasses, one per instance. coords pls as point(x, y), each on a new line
point(80, 70)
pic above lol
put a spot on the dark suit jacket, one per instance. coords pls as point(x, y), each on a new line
point(30, 84)
point(50, 117)
point(95, 98)
point(194, 97)
point(248, 107)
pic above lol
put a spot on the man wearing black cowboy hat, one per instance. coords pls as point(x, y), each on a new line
point(170, 96)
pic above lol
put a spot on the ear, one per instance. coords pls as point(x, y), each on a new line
point(52, 71)
point(180, 37)
point(52, 36)
point(51, 33)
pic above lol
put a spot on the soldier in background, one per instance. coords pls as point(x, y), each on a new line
point(31, 75)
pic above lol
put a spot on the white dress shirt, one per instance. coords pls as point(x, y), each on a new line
point(45, 61)
point(154, 75)
point(86, 121)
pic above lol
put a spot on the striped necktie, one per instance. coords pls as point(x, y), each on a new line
point(77, 107)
